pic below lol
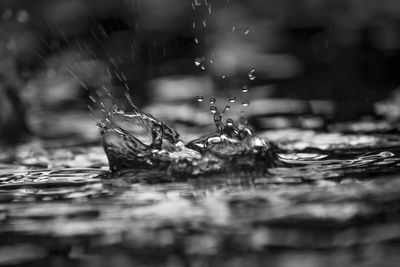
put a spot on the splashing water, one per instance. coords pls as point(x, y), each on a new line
point(139, 141)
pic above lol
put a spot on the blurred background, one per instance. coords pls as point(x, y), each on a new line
point(318, 78)
point(338, 58)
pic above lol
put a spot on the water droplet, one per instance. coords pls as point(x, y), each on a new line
point(200, 98)
point(196, 40)
point(212, 100)
point(232, 99)
point(229, 122)
point(90, 108)
point(197, 2)
point(213, 109)
point(245, 103)
point(93, 99)
point(233, 28)
point(251, 75)
point(246, 32)
point(227, 107)
point(223, 76)
point(198, 61)
point(245, 89)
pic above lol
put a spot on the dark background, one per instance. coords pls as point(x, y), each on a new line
point(63, 53)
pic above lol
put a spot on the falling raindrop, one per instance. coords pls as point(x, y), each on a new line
point(251, 75)
point(93, 99)
point(247, 31)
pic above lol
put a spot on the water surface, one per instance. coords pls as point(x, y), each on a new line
point(336, 204)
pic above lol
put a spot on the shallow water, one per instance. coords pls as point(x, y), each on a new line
point(338, 204)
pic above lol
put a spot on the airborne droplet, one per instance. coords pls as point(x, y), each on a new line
point(251, 75)
point(198, 61)
point(229, 122)
point(200, 98)
point(212, 100)
point(232, 99)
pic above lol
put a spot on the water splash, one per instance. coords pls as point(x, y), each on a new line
point(137, 140)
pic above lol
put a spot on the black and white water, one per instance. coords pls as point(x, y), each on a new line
point(285, 197)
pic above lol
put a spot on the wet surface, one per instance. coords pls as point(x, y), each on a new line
point(338, 204)
point(301, 190)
